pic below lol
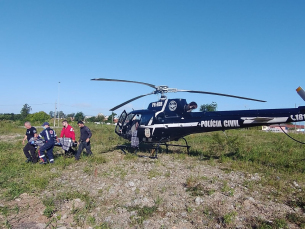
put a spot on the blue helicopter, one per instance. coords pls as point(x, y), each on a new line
point(172, 119)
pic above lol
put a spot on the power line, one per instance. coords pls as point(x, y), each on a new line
point(23, 104)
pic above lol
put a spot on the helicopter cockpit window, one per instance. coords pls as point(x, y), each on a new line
point(128, 119)
point(135, 122)
point(137, 117)
point(140, 119)
point(145, 119)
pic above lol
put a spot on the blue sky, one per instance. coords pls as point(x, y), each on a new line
point(247, 48)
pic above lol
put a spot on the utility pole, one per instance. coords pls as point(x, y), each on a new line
point(58, 103)
point(295, 128)
point(54, 116)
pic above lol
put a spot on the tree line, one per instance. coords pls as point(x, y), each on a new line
point(42, 116)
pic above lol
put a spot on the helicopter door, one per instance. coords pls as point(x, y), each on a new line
point(119, 126)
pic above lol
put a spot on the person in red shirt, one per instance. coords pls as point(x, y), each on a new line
point(68, 132)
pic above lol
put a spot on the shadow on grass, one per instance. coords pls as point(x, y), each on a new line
point(207, 156)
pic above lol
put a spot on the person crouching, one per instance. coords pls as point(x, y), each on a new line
point(49, 136)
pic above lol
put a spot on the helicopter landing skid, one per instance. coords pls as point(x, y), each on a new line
point(186, 146)
point(125, 149)
point(154, 149)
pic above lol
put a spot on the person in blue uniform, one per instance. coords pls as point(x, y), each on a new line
point(50, 138)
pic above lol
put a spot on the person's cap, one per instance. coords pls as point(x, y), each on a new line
point(45, 123)
point(80, 122)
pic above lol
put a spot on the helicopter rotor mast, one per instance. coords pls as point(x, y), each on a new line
point(165, 89)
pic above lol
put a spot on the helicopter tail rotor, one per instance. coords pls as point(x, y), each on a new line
point(301, 93)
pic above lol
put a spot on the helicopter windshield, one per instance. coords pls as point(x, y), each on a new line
point(129, 118)
point(130, 122)
point(141, 119)
point(145, 119)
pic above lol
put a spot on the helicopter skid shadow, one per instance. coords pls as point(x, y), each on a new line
point(135, 150)
point(207, 157)
point(151, 148)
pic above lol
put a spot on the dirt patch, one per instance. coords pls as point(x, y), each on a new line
point(10, 138)
point(170, 192)
point(26, 212)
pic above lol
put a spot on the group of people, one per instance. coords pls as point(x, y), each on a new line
point(47, 139)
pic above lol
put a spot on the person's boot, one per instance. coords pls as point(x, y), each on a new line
point(34, 160)
point(28, 160)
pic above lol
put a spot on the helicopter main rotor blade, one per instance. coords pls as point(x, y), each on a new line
point(126, 81)
point(213, 93)
point(122, 104)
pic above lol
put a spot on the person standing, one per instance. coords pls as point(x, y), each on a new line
point(68, 132)
point(84, 140)
point(50, 137)
point(31, 132)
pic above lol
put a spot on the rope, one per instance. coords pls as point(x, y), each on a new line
point(292, 137)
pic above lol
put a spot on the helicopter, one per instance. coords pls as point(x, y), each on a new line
point(169, 120)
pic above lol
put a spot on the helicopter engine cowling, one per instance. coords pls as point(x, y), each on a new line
point(191, 106)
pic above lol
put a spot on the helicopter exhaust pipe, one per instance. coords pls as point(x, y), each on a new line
point(301, 93)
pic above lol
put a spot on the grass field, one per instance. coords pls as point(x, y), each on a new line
point(279, 161)
point(17, 177)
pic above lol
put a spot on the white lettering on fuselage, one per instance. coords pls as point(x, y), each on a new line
point(230, 123)
point(298, 117)
point(217, 123)
point(157, 104)
point(211, 123)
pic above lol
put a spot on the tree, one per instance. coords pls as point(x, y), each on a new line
point(71, 116)
point(91, 119)
point(100, 118)
point(209, 107)
point(110, 117)
point(79, 116)
point(51, 113)
point(10, 116)
point(40, 116)
point(61, 114)
point(25, 110)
